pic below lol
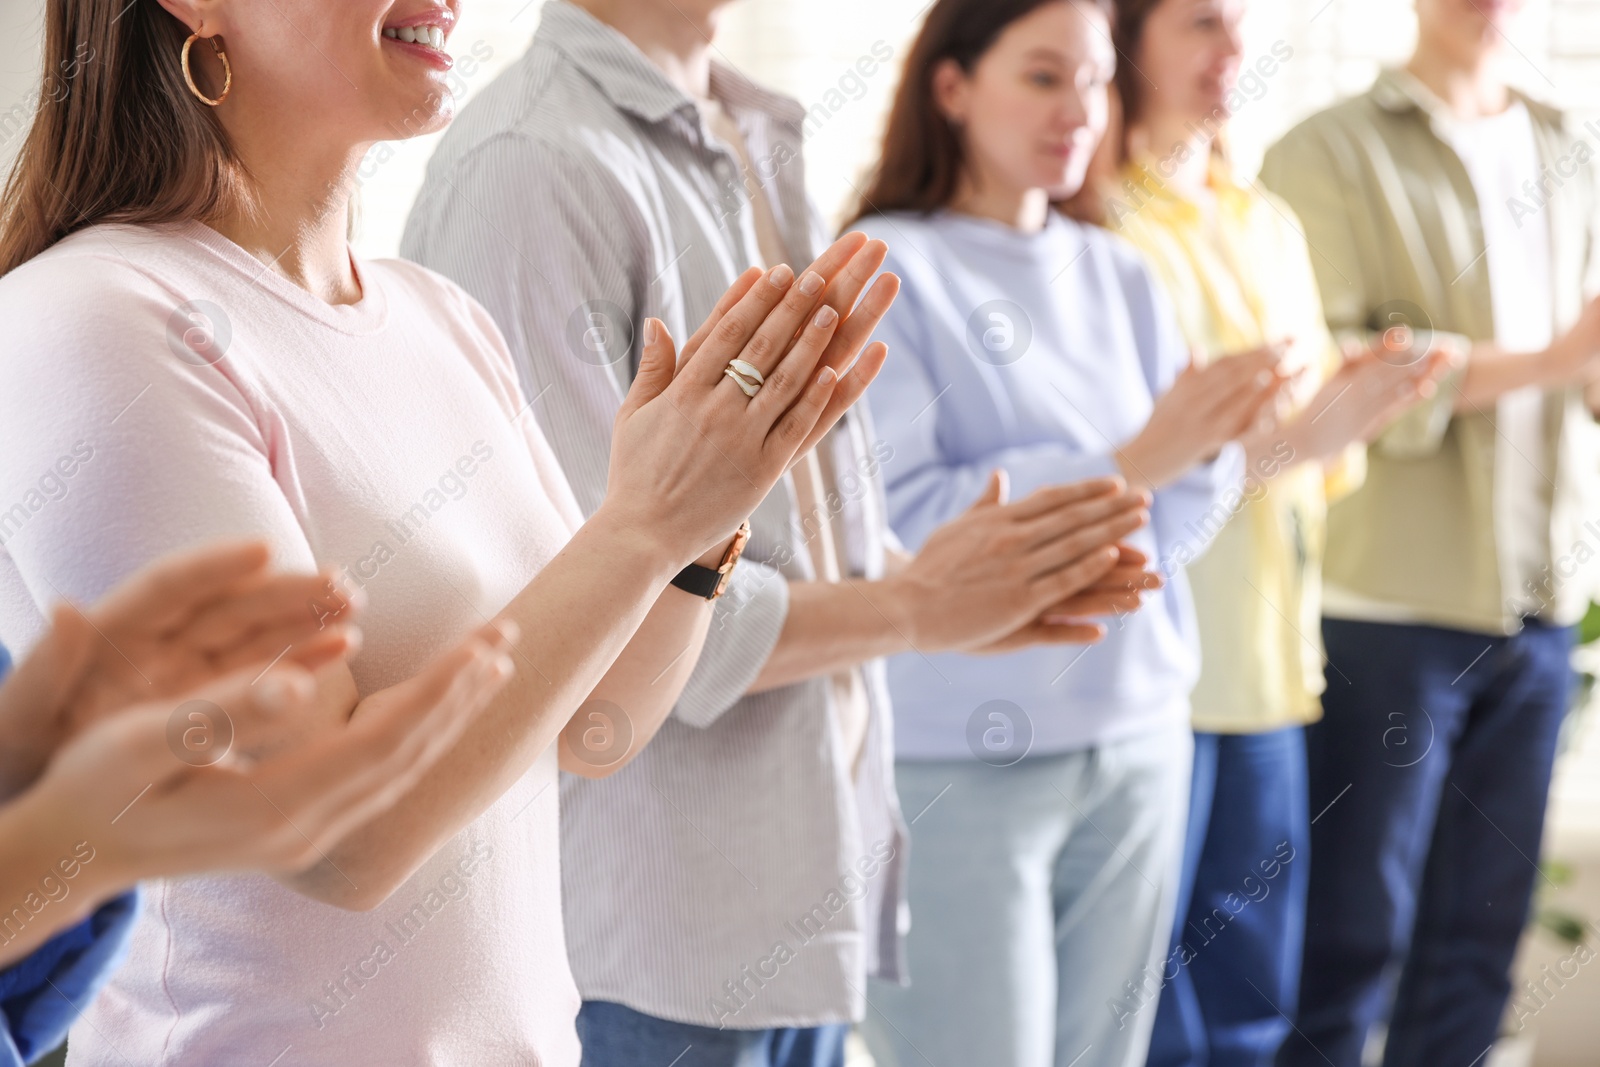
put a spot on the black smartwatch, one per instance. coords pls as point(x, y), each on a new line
point(711, 582)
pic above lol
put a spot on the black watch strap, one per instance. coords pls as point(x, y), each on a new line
point(701, 581)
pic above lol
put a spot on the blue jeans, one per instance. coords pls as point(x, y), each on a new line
point(1428, 778)
point(1235, 959)
point(1042, 897)
point(615, 1036)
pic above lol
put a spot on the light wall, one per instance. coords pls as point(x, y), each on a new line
point(20, 26)
point(814, 51)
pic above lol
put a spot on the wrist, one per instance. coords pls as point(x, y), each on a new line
point(899, 598)
point(712, 558)
point(1135, 468)
point(1564, 362)
point(44, 839)
point(632, 537)
point(1293, 442)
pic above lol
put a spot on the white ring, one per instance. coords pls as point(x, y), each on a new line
point(749, 389)
point(748, 370)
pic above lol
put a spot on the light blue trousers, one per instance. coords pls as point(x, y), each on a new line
point(1042, 899)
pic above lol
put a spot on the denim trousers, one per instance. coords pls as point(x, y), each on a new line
point(617, 1036)
point(1041, 902)
point(1233, 971)
point(1428, 774)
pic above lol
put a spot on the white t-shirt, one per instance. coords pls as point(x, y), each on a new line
point(382, 437)
point(1501, 157)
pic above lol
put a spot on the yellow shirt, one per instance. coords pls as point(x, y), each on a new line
point(1239, 275)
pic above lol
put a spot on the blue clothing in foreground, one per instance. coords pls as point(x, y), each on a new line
point(617, 1036)
point(1041, 354)
point(42, 994)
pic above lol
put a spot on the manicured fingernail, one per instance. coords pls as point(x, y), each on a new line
point(780, 276)
point(826, 376)
point(811, 283)
point(824, 318)
point(649, 331)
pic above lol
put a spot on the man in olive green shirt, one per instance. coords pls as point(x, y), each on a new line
point(1445, 204)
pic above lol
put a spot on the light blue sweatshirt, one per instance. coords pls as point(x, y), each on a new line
point(1037, 353)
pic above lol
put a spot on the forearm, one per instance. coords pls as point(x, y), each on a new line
point(832, 626)
point(576, 617)
point(642, 686)
point(1492, 372)
point(46, 885)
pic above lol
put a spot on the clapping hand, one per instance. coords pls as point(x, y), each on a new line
point(695, 449)
point(173, 626)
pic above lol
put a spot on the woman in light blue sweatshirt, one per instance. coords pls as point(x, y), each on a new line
point(1047, 789)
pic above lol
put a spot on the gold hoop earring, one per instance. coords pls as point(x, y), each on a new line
point(227, 71)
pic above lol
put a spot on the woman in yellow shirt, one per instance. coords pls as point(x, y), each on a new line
point(1237, 269)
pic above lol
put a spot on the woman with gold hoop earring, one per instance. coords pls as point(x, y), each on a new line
point(291, 391)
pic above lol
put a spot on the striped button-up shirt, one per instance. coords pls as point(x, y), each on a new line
point(736, 873)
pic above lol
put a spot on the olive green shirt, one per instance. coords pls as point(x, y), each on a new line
point(1396, 235)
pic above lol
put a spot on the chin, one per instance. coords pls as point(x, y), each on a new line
point(431, 113)
point(1063, 185)
point(1059, 185)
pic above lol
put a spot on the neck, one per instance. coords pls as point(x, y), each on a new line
point(1471, 86)
point(1182, 149)
point(300, 223)
point(679, 44)
point(1026, 210)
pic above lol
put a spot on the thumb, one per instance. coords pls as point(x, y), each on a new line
point(658, 363)
point(995, 491)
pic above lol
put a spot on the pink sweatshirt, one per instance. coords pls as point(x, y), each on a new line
point(388, 438)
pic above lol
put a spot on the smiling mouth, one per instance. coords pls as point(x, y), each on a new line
point(427, 36)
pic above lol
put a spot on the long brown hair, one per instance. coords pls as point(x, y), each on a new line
point(1127, 33)
point(117, 136)
point(919, 166)
point(1129, 102)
